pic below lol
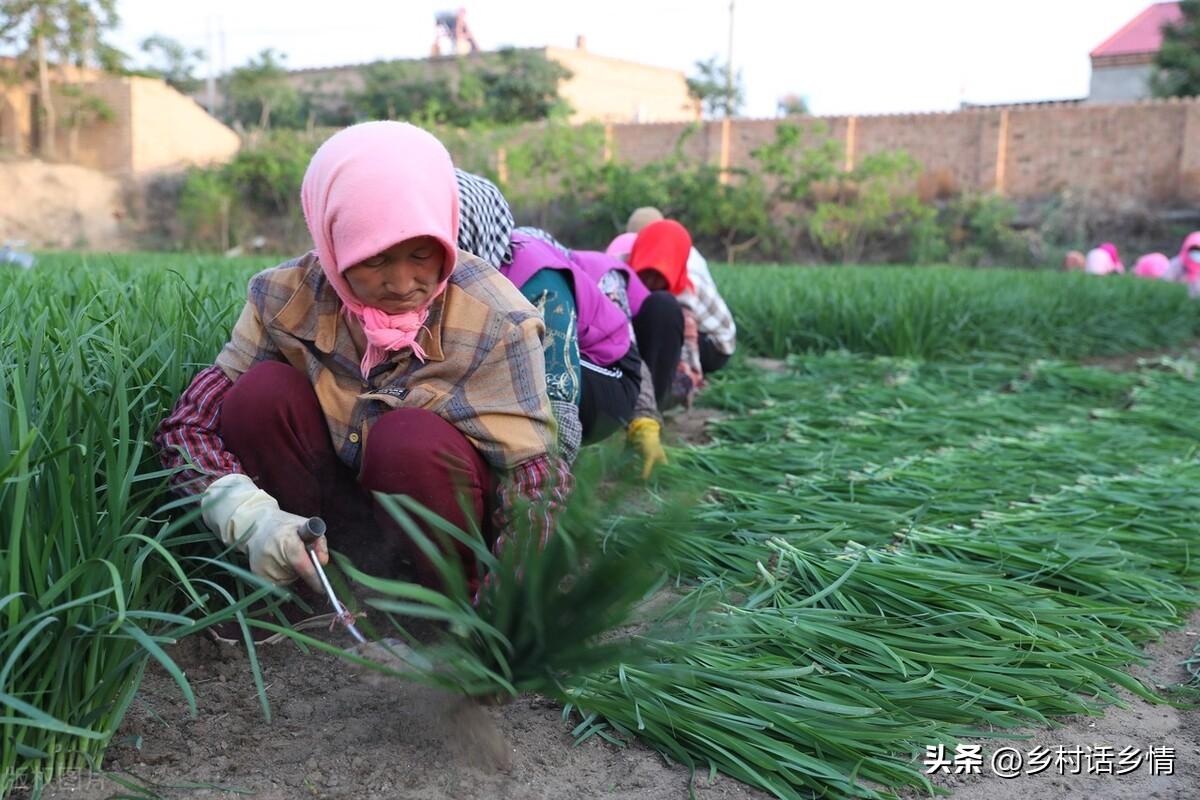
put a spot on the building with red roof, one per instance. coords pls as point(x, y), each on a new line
point(1123, 63)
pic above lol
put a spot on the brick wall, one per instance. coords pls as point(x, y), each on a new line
point(1146, 152)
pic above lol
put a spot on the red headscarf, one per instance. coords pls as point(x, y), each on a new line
point(664, 246)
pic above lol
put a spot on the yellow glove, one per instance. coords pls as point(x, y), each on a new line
point(643, 433)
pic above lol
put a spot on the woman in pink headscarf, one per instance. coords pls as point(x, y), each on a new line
point(1104, 260)
point(384, 360)
point(1189, 263)
point(1154, 266)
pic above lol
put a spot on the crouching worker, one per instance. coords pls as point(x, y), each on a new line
point(385, 360)
point(625, 290)
point(593, 370)
point(662, 256)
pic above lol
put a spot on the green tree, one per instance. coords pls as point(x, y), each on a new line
point(522, 86)
point(507, 87)
point(1178, 60)
point(259, 89)
point(61, 32)
point(710, 87)
point(172, 62)
point(80, 108)
point(793, 105)
point(401, 90)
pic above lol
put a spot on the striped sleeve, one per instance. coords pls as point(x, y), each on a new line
point(646, 404)
point(530, 499)
point(712, 315)
point(189, 439)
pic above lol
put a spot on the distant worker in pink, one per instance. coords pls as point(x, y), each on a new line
point(1104, 260)
point(1074, 261)
point(1189, 257)
point(707, 334)
point(1155, 266)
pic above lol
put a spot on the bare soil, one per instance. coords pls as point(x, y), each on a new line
point(691, 427)
point(334, 733)
point(61, 206)
point(337, 733)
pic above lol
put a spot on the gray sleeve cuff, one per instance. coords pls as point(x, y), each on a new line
point(570, 429)
point(646, 405)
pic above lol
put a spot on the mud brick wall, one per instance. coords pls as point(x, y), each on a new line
point(1145, 152)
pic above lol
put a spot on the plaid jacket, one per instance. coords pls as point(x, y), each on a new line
point(484, 373)
point(712, 315)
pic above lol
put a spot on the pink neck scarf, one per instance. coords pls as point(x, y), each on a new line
point(368, 188)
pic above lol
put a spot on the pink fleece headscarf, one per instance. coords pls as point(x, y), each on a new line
point(620, 247)
point(1152, 265)
point(1191, 266)
point(368, 188)
point(1111, 249)
point(1104, 260)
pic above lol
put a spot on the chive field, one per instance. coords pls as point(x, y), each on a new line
point(931, 522)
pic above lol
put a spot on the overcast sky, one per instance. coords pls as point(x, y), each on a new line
point(863, 56)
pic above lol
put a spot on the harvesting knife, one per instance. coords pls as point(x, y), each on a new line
point(313, 530)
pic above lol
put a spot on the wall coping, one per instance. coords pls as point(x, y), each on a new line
point(1077, 105)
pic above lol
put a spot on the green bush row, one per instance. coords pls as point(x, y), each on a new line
point(797, 202)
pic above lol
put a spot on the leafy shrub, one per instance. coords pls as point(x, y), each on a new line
point(503, 88)
point(871, 211)
point(259, 189)
point(980, 228)
point(874, 212)
point(205, 206)
point(797, 203)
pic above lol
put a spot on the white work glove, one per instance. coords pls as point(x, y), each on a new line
point(246, 517)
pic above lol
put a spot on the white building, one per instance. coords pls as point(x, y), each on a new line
point(1123, 64)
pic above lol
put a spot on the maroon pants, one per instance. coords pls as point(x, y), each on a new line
point(271, 420)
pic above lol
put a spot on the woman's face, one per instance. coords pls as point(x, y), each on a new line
point(401, 278)
point(653, 279)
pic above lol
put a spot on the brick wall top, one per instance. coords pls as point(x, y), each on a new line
point(1144, 151)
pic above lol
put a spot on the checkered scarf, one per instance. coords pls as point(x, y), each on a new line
point(545, 236)
point(485, 221)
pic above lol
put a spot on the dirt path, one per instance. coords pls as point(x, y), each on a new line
point(336, 735)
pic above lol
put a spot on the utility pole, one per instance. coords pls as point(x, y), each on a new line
point(729, 67)
point(726, 123)
point(211, 82)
